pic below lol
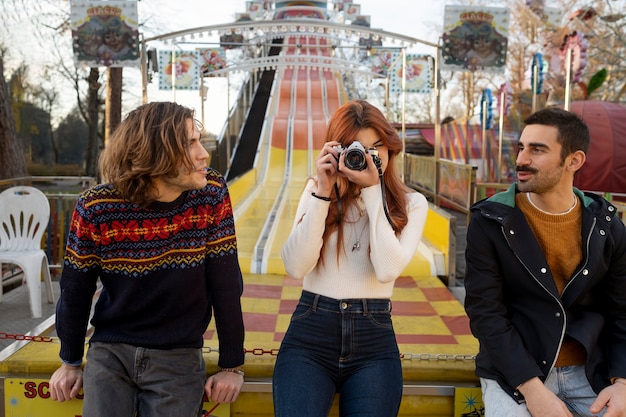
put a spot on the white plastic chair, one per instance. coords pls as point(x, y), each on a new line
point(24, 216)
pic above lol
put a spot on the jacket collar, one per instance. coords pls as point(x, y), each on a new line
point(505, 204)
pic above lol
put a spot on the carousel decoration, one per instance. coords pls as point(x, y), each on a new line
point(575, 44)
point(486, 108)
point(475, 38)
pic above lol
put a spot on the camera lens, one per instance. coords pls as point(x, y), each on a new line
point(355, 159)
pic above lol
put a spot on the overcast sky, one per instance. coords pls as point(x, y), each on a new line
point(419, 19)
point(415, 18)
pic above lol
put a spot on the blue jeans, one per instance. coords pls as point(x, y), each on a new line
point(569, 383)
point(125, 381)
point(338, 346)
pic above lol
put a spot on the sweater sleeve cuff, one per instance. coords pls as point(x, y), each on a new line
point(75, 363)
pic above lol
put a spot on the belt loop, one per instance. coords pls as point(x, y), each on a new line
point(315, 301)
point(364, 301)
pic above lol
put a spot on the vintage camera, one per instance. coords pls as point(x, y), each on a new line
point(354, 155)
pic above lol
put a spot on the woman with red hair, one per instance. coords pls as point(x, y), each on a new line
point(357, 227)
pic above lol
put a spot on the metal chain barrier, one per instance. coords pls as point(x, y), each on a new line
point(448, 357)
point(260, 352)
point(438, 357)
point(4, 335)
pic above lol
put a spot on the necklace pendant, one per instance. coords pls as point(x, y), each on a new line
point(356, 246)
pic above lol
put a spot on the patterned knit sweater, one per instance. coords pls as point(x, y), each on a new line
point(164, 270)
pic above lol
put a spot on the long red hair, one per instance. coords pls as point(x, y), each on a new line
point(343, 127)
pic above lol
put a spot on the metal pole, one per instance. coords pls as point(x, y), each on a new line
point(483, 152)
point(202, 99)
point(387, 96)
point(144, 71)
point(568, 78)
point(403, 111)
point(228, 121)
point(500, 135)
point(535, 83)
point(437, 150)
point(393, 64)
point(173, 73)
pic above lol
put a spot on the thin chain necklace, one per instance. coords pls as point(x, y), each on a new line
point(361, 211)
point(357, 243)
point(569, 210)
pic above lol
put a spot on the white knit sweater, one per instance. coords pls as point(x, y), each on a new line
point(369, 272)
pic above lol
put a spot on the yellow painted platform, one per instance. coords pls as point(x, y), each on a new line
point(431, 326)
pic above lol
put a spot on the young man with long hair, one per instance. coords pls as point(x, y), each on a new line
point(159, 235)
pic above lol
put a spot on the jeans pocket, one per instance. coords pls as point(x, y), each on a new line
point(381, 319)
point(301, 311)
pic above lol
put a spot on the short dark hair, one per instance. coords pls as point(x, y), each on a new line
point(573, 133)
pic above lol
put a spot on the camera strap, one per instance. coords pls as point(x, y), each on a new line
point(379, 166)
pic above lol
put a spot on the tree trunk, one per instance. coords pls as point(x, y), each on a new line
point(113, 111)
point(53, 141)
point(93, 112)
point(12, 161)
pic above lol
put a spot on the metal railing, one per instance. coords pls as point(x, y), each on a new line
point(456, 182)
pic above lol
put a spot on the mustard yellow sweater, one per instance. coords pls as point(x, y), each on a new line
point(559, 236)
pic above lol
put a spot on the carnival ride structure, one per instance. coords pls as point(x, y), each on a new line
point(432, 329)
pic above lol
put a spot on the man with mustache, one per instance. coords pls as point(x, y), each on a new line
point(546, 284)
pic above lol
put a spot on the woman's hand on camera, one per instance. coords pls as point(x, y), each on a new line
point(326, 166)
point(364, 178)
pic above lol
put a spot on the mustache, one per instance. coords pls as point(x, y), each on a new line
point(525, 169)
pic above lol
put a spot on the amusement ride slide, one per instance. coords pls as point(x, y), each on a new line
point(302, 100)
point(301, 103)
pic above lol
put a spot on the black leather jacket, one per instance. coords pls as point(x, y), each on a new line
point(513, 304)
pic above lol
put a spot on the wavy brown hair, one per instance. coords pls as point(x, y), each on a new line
point(150, 142)
point(343, 127)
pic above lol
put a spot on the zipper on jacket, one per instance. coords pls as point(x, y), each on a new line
point(557, 299)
